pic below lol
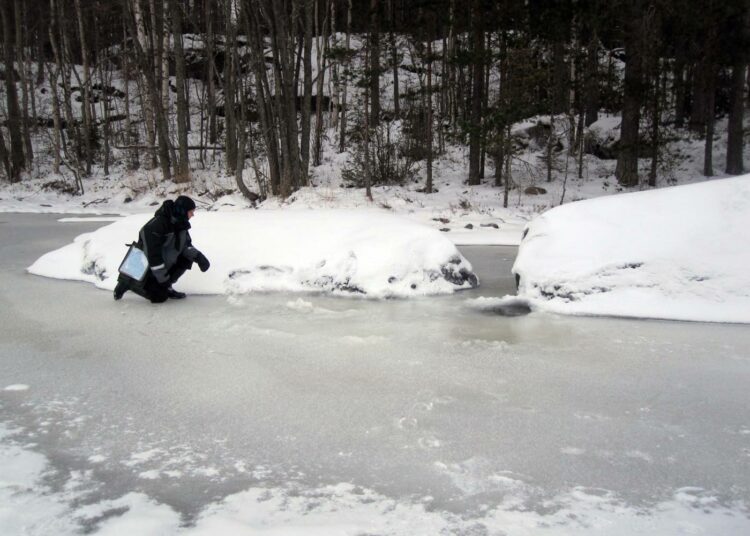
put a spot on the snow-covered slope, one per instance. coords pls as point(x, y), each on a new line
point(678, 253)
point(364, 252)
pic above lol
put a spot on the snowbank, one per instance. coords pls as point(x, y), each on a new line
point(368, 253)
point(678, 253)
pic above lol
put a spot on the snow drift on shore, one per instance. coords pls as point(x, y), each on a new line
point(678, 253)
point(368, 253)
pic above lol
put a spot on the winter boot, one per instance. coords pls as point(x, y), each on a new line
point(175, 294)
point(120, 289)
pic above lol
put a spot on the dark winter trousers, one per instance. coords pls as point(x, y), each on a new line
point(150, 288)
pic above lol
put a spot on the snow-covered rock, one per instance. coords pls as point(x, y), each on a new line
point(365, 252)
point(678, 253)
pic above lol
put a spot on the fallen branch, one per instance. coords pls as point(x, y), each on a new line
point(153, 147)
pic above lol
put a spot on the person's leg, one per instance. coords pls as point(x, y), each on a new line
point(180, 267)
point(149, 288)
point(123, 285)
point(155, 292)
point(175, 272)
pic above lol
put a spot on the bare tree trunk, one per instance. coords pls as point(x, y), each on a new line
point(283, 38)
point(444, 109)
point(4, 158)
point(342, 135)
point(21, 59)
point(485, 105)
point(162, 128)
point(130, 139)
point(698, 113)
point(572, 97)
point(626, 170)
point(53, 78)
point(321, 50)
point(508, 160)
point(394, 61)
point(591, 85)
point(17, 160)
point(428, 186)
point(475, 133)
point(239, 167)
point(300, 53)
point(735, 141)
point(161, 95)
point(40, 73)
point(310, 9)
point(708, 154)
point(550, 144)
point(164, 50)
point(230, 85)
point(282, 110)
point(264, 99)
point(211, 71)
point(581, 142)
point(655, 120)
point(335, 82)
point(106, 79)
point(182, 172)
point(560, 79)
point(368, 164)
point(86, 89)
point(678, 77)
point(498, 153)
point(452, 98)
point(146, 101)
point(63, 69)
point(374, 64)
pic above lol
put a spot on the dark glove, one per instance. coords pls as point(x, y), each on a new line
point(202, 261)
point(161, 275)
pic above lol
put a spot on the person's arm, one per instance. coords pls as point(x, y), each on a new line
point(193, 254)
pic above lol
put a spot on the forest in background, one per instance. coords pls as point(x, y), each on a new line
point(174, 84)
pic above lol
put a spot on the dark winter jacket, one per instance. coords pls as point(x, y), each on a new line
point(164, 239)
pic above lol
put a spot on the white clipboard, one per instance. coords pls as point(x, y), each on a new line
point(135, 264)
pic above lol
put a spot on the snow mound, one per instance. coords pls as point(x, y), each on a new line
point(678, 253)
point(368, 253)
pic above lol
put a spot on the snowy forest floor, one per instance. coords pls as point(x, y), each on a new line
point(467, 214)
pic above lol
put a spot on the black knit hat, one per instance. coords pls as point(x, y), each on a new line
point(183, 205)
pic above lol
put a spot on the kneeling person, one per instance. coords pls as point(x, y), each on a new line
point(166, 242)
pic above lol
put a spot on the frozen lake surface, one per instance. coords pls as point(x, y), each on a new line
point(307, 414)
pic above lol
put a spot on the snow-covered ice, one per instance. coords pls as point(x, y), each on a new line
point(272, 413)
point(676, 253)
point(365, 252)
point(30, 507)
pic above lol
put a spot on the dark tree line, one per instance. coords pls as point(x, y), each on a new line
point(260, 83)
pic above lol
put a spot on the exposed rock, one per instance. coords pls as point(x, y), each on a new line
point(535, 137)
point(60, 186)
point(468, 226)
point(459, 277)
point(493, 225)
point(535, 190)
